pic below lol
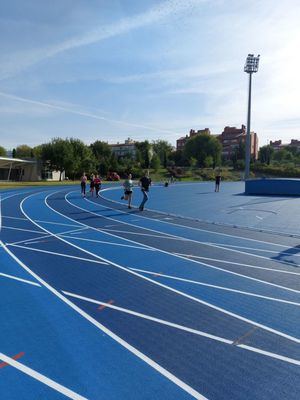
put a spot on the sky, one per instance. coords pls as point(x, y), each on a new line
point(151, 69)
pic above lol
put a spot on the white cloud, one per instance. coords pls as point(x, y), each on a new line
point(84, 113)
point(23, 60)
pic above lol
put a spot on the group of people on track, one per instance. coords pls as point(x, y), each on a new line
point(144, 183)
point(95, 184)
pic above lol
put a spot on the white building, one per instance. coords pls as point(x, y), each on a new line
point(16, 169)
point(124, 149)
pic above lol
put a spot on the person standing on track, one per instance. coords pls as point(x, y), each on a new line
point(83, 181)
point(92, 185)
point(97, 183)
point(218, 180)
point(128, 185)
point(144, 183)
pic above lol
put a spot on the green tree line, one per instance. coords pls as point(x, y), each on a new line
point(73, 156)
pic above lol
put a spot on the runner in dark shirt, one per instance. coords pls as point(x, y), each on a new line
point(144, 182)
point(218, 180)
point(97, 183)
point(92, 185)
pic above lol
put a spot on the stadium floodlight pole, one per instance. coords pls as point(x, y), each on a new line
point(251, 66)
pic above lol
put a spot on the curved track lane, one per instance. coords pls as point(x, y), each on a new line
point(209, 326)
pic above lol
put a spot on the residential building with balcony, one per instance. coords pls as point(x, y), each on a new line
point(127, 148)
point(180, 143)
point(278, 145)
point(231, 137)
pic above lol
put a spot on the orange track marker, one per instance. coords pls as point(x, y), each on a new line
point(16, 357)
point(100, 308)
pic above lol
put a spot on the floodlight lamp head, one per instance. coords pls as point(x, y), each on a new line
point(251, 64)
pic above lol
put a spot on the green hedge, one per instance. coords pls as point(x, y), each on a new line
point(276, 170)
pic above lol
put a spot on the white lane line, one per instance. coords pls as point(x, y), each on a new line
point(291, 264)
point(185, 328)
point(216, 287)
point(56, 254)
point(162, 236)
point(119, 340)
point(105, 242)
point(41, 378)
point(258, 249)
point(267, 353)
point(185, 226)
point(11, 195)
point(241, 264)
point(216, 245)
point(78, 230)
point(17, 193)
point(41, 221)
point(222, 310)
point(55, 223)
point(257, 216)
point(175, 255)
point(148, 317)
point(19, 279)
point(9, 217)
point(37, 239)
point(33, 240)
point(22, 229)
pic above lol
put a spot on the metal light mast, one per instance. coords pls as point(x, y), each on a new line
point(251, 66)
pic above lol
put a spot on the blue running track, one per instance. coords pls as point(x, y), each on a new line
point(102, 302)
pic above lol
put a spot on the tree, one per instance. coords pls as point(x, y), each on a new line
point(146, 152)
point(163, 149)
point(58, 154)
point(101, 150)
point(138, 157)
point(208, 162)
point(113, 163)
point(23, 151)
point(178, 158)
point(2, 152)
point(14, 153)
point(281, 155)
point(37, 152)
point(202, 146)
point(102, 153)
point(83, 158)
point(155, 162)
point(266, 154)
point(193, 162)
point(238, 154)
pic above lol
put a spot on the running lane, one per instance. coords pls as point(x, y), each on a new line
point(194, 342)
point(250, 297)
point(53, 339)
point(118, 320)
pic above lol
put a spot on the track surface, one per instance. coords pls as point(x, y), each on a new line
point(98, 302)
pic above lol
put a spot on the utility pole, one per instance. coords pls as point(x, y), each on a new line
point(251, 66)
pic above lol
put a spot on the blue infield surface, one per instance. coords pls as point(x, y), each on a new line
point(197, 296)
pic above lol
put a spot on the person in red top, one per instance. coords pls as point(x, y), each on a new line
point(97, 183)
point(83, 181)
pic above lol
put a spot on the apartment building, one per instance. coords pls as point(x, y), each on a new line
point(124, 149)
point(180, 143)
point(231, 137)
point(278, 145)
